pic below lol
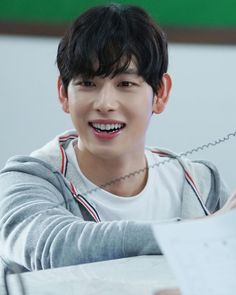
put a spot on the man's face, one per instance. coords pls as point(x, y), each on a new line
point(111, 115)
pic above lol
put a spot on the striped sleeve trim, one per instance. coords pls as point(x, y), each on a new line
point(196, 191)
point(64, 161)
point(66, 137)
point(85, 203)
point(162, 154)
point(189, 180)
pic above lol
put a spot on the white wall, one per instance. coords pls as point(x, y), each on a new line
point(201, 108)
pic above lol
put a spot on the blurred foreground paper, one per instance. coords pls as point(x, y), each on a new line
point(202, 254)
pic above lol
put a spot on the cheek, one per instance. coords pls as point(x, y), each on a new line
point(145, 106)
point(77, 107)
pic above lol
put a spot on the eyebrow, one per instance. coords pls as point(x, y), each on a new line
point(130, 71)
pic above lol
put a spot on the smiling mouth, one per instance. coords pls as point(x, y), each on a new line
point(108, 128)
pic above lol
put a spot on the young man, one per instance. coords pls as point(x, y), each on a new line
point(96, 196)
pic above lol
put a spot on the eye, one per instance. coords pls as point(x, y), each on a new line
point(126, 84)
point(86, 83)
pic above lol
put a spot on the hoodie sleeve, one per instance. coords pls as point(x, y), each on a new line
point(218, 191)
point(38, 231)
point(213, 190)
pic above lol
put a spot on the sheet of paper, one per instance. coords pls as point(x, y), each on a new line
point(202, 253)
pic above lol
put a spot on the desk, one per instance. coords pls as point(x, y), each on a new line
point(141, 275)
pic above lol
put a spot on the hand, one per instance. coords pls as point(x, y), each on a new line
point(169, 292)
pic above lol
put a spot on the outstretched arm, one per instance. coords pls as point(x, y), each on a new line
point(39, 231)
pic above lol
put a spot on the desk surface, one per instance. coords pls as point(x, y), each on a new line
point(141, 275)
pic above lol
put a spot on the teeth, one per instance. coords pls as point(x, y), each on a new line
point(107, 127)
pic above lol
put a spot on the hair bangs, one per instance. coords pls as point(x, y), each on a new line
point(104, 40)
point(108, 55)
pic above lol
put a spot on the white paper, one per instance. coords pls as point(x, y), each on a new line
point(202, 253)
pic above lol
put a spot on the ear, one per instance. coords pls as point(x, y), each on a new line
point(162, 96)
point(62, 96)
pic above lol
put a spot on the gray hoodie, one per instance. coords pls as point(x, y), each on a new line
point(43, 224)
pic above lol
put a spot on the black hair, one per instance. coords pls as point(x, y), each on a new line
point(103, 40)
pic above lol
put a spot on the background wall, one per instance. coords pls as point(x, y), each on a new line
point(201, 108)
point(194, 21)
point(191, 13)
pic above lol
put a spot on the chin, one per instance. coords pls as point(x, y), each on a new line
point(107, 153)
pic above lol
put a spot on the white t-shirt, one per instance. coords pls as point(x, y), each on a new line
point(160, 199)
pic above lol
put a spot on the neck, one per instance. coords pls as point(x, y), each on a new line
point(110, 173)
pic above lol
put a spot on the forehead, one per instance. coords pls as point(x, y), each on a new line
point(102, 70)
point(131, 69)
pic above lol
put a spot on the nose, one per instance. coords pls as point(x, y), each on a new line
point(106, 100)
